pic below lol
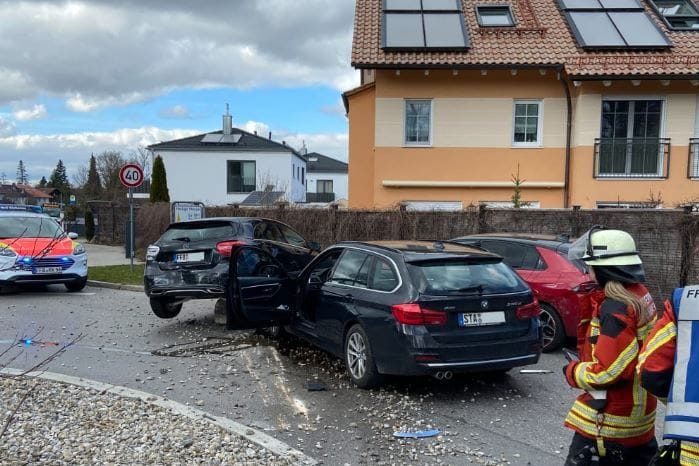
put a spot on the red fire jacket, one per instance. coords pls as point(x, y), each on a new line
point(609, 342)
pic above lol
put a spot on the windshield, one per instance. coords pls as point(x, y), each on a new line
point(457, 276)
point(200, 232)
point(29, 227)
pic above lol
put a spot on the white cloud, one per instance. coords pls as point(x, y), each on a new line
point(107, 52)
point(7, 127)
point(37, 112)
point(333, 145)
point(175, 112)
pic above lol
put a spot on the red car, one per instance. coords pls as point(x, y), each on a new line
point(542, 261)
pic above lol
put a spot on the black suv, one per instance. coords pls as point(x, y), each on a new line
point(191, 259)
point(403, 307)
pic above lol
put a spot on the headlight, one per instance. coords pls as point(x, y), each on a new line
point(78, 249)
point(152, 252)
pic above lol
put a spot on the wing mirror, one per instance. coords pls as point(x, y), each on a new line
point(72, 235)
point(314, 246)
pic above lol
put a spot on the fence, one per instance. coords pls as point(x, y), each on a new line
point(666, 239)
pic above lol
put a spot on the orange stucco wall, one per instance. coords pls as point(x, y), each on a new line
point(377, 155)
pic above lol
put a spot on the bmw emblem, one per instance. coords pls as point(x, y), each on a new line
point(484, 304)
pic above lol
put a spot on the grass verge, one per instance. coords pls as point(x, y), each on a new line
point(117, 274)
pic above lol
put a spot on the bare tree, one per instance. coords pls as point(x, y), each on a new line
point(144, 158)
point(108, 165)
point(79, 178)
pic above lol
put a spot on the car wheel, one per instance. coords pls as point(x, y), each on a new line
point(76, 285)
point(552, 327)
point(359, 358)
point(165, 309)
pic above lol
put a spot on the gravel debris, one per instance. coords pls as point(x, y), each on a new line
point(62, 424)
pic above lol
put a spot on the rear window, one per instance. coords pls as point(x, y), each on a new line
point(578, 263)
point(459, 276)
point(200, 232)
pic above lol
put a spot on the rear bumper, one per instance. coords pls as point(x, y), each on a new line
point(185, 284)
point(419, 357)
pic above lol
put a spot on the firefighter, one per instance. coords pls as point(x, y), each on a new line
point(668, 367)
point(614, 417)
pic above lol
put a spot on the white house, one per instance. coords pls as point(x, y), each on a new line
point(326, 179)
point(232, 166)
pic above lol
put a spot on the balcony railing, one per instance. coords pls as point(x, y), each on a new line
point(632, 158)
point(693, 164)
point(320, 197)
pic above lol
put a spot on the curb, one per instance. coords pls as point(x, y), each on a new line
point(114, 286)
point(248, 433)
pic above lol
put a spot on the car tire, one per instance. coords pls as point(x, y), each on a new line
point(359, 358)
point(552, 328)
point(165, 309)
point(76, 285)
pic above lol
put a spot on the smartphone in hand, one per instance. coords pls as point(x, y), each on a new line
point(570, 355)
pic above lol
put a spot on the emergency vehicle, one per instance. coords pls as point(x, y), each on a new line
point(34, 249)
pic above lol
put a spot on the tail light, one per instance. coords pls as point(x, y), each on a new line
point(225, 248)
point(413, 314)
point(528, 311)
point(585, 287)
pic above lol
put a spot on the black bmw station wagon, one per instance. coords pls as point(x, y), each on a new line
point(398, 308)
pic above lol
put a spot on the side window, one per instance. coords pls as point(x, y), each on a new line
point(348, 268)
point(321, 270)
point(268, 231)
point(362, 280)
point(256, 263)
point(292, 237)
point(517, 256)
point(383, 277)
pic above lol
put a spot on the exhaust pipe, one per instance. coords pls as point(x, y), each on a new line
point(439, 375)
point(448, 375)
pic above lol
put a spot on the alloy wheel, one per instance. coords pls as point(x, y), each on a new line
point(356, 355)
point(549, 327)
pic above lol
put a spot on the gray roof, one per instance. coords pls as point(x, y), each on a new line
point(248, 142)
point(324, 164)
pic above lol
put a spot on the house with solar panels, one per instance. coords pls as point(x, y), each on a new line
point(590, 103)
point(232, 166)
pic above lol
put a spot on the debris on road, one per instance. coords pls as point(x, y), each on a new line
point(417, 434)
point(315, 386)
point(535, 371)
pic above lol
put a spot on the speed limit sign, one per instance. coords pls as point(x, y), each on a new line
point(131, 175)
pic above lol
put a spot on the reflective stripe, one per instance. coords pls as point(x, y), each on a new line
point(667, 333)
point(678, 408)
point(614, 370)
point(679, 378)
point(689, 454)
point(586, 412)
point(680, 430)
point(640, 397)
point(589, 427)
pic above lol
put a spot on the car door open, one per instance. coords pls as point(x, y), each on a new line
point(260, 291)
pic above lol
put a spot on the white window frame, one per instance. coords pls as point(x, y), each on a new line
point(406, 143)
point(539, 124)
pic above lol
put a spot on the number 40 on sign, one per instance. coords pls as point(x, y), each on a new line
point(131, 175)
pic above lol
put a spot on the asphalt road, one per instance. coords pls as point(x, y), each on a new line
point(514, 419)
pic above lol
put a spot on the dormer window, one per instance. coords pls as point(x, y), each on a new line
point(495, 16)
point(678, 14)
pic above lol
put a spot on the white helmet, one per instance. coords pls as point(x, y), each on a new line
point(602, 247)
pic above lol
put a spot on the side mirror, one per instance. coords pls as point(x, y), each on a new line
point(314, 246)
point(72, 235)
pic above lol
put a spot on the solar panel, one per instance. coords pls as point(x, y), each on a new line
point(212, 138)
point(580, 4)
point(404, 30)
point(621, 4)
point(420, 24)
point(638, 30)
point(595, 29)
point(444, 30)
point(436, 5)
point(413, 5)
point(218, 138)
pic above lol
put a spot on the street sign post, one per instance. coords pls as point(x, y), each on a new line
point(131, 176)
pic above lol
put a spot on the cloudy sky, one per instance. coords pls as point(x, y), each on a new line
point(82, 77)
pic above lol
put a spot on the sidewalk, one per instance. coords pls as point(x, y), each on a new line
point(99, 254)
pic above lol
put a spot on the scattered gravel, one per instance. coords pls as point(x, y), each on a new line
point(61, 424)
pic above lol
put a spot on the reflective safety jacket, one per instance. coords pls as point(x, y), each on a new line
point(609, 342)
point(657, 364)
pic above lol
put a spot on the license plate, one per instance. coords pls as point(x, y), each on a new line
point(48, 270)
point(476, 319)
point(189, 257)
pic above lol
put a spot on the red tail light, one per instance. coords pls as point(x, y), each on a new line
point(585, 287)
point(413, 314)
point(528, 311)
point(224, 248)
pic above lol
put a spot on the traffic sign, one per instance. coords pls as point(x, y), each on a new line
point(131, 175)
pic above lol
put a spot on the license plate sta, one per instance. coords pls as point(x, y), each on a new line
point(48, 270)
point(189, 257)
point(477, 319)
